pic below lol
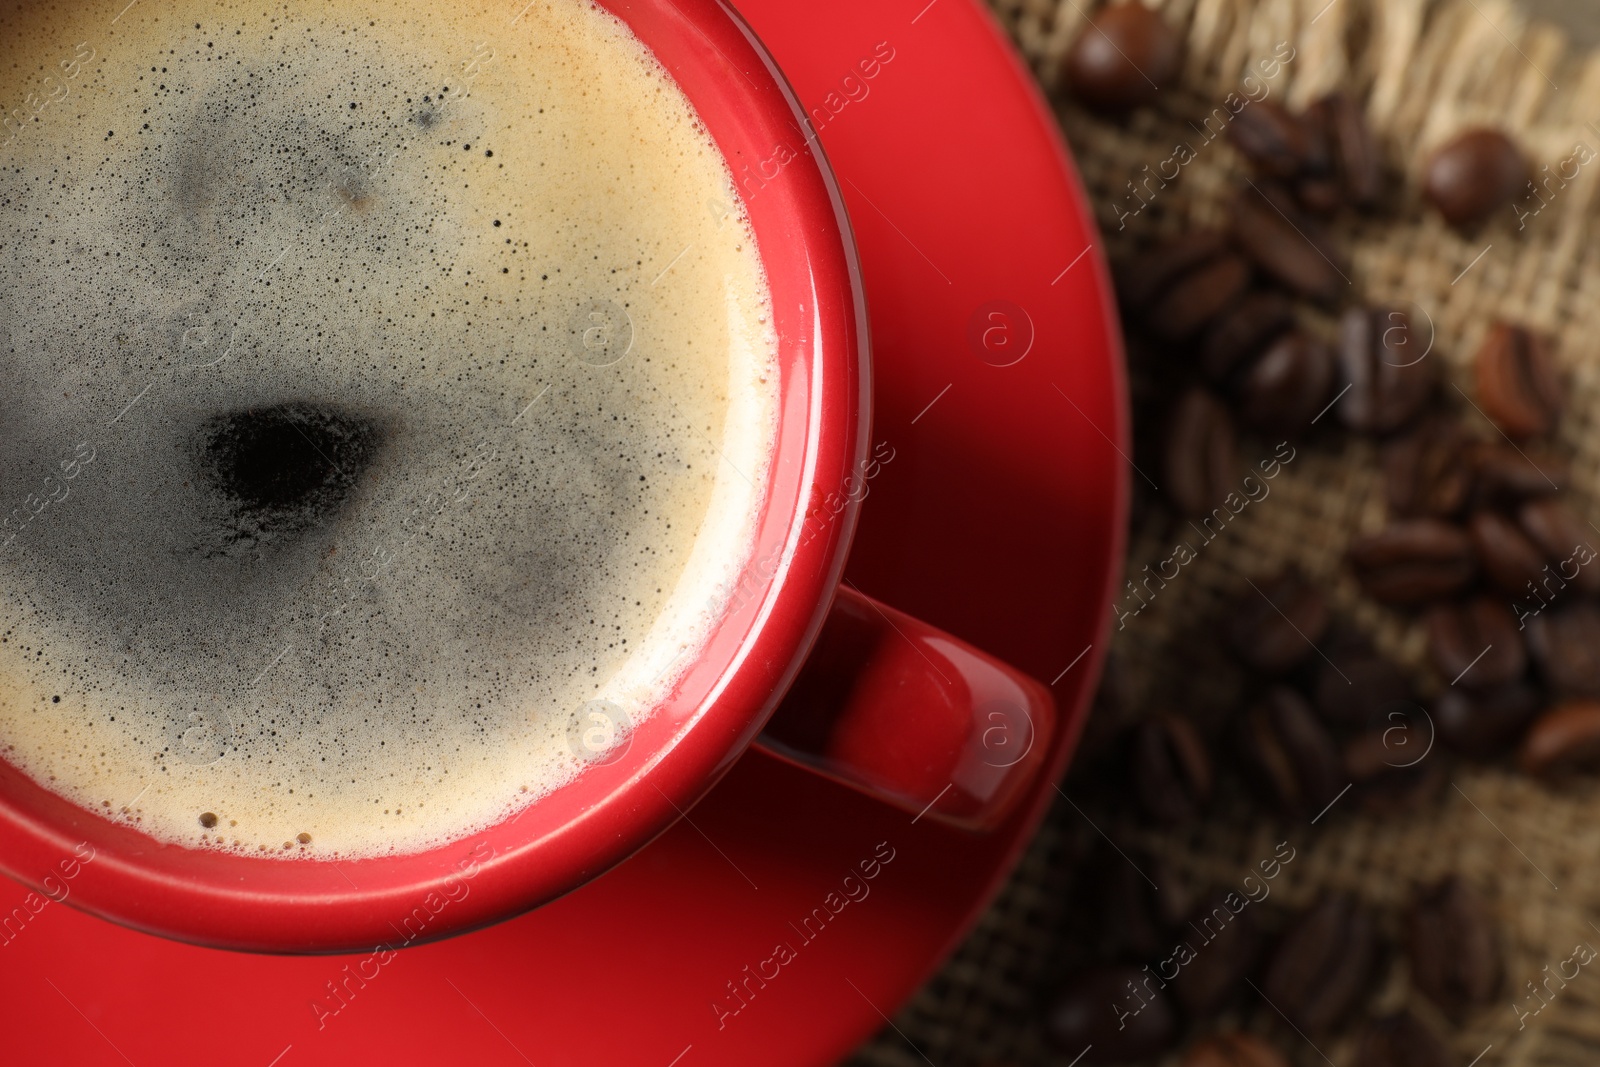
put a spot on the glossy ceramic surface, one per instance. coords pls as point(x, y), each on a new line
point(999, 520)
point(630, 794)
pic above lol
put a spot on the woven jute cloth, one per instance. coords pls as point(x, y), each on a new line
point(1424, 70)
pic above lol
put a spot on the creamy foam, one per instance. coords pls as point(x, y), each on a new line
point(384, 384)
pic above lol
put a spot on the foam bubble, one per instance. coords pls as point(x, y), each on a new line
point(377, 397)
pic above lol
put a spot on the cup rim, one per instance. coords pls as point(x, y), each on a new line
point(582, 829)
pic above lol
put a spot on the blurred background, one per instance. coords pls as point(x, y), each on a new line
point(1304, 813)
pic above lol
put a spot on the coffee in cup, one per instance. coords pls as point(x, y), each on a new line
point(389, 391)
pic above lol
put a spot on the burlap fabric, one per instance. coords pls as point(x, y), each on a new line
point(1424, 69)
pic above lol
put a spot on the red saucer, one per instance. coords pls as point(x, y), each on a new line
point(1000, 517)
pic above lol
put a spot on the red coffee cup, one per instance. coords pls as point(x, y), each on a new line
point(839, 683)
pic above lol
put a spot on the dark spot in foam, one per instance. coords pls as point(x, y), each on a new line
point(285, 467)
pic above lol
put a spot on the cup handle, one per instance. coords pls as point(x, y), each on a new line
point(906, 713)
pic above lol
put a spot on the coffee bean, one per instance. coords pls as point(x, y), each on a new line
point(1123, 58)
point(1487, 723)
point(1567, 543)
point(1317, 186)
point(1454, 947)
point(1113, 715)
point(1413, 562)
point(1356, 155)
point(1242, 332)
point(1318, 163)
point(1233, 1050)
point(1285, 243)
point(1474, 175)
point(1322, 965)
point(1389, 378)
point(1565, 738)
point(1199, 296)
point(1274, 141)
point(1178, 287)
point(1289, 754)
point(1519, 385)
point(1319, 195)
point(1476, 644)
point(1171, 770)
point(1224, 945)
point(1117, 1013)
point(1135, 920)
point(1393, 770)
point(1201, 462)
point(1509, 559)
point(1506, 475)
point(1428, 472)
point(1276, 625)
point(1358, 686)
point(1401, 1041)
point(1565, 642)
point(1143, 278)
point(1287, 386)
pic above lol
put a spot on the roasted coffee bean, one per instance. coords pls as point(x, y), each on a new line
point(1275, 626)
point(1519, 385)
point(1356, 686)
point(1567, 543)
point(1287, 386)
point(1233, 1050)
point(1320, 149)
point(1317, 186)
point(1320, 195)
point(1565, 738)
point(1413, 562)
point(1428, 473)
point(1319, 162)
point(1401, 1041)
point(1509, 559)
point(1110, 719)
point(1488, 723)
point(1389, 377)
point(1393, 770)
point(1454, 947)
point(1243, 332)
point(1322, 965)
point(1506, 475)
point(1171, 769)
point(1474, 175)
point(1565, 642)
point(1136, 921)
point(1201, 462)
point(1143, 278)
point(1123, 58)
point(1274, 141)
point(1223, 945)
point(1175, 289)
point(1285, 243)
point(1198, 297)
point(1477, 644)
point(1357, 158)
point(1118, 1013)
point(1289, 754)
